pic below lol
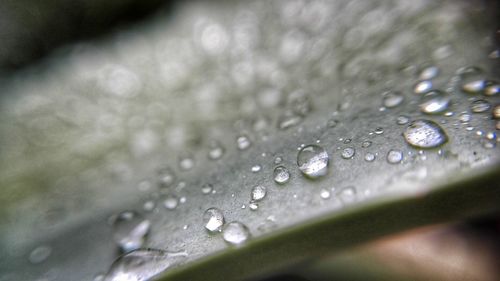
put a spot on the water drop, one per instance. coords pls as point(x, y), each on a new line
point(216, 151)
point(143, 264)
point(428, 73)
point(235, 233)
point(392, 99)
point(491, 136)
point(206, 188)
point(435, 102)
point(182, 200)
point(256, 168)
point(278, 160)
point(332, 123)
point(493, 89)
point(464, 117)
point(366, 144)
point(402, 120)
point(348, 153)
point(289, 119)
point(213, 219)
point(422, 87)
point(379, 131)
point(496, 112)
point(324, 194)
point(313, 161)
point(480, 106)
point(425, 134)
point(281, 175)
point(148, 206)
point(166, 177)
point(243, 142)
point(347, 194)
point(130, 230)
point(472, 79)
point(40, 254)
point(186, 162)
point(253, 206)
point(258, 193)
point(369, 157)
point(170, 202)
point(394, 156)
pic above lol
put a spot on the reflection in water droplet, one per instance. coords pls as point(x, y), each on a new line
point(40, 254)
point(480, 106)
point(281, 175)
point(313, 161)
point(243, 142)
point(394, 156)
point(324, 194)
point(170, 202)
point(348, 153)
point(206, 188)
point(130, 230)
point(213, 219)
point(422, 87)
point(143, 264)
point(258, 193)
point(402, 120)
point(429, 73)
point(235, 233)
point(435, 102)
point(392, 99)
point(369, 157)
point(425, 134)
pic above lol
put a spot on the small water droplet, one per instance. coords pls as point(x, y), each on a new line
point(278, 160)
point(166, 177)
point(313, 161)
point(366, 144)
point(425, 134)
point(235, 233)
point(206, 188)
point(288, 119)
point(491, 136)
point(256, 168)
point(394, 156)
point(281, 175)
point(492, 89)
point(480, 106)
point(346, 141)
point(422, 87)
point(348, 194)
point(213, 219)
point(148, 206)
point(216, 151)
point(186, 162)
point(170, 202)
point(435, 102)
point(258, 193)
point(243, 142)
point(143, 264)
point(332, 123)
point(182, 200)
point(39, 254)
point(392, 99)
point(379, 131)
point(324, 194)
point(464, 117)
point(402, 120)
point(428, 73)
point(130, 230)
point(369, 157)
point(253, 206)
point(348, 153)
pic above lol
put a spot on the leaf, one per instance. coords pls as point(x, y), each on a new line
point(95, 129)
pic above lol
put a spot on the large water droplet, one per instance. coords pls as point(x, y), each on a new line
point(480, 106)
point(213, 219)
point(281, 175)
point(143, 264)
point(425, 134)
point(313, 161)
point(39, 254)
point(422, 87)
point(394, 156)
point(243, 142)
point(235, 233)
point(435, 102)
point(258, 193)
point(392, 99)
point(348, 153)
point(428, 73)
point(130, 230)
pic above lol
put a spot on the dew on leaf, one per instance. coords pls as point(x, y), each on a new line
point(313, 161)
point(213, 219)
point(425, 134)
point(281, 175)
point(235, 233)
point(130, 230)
